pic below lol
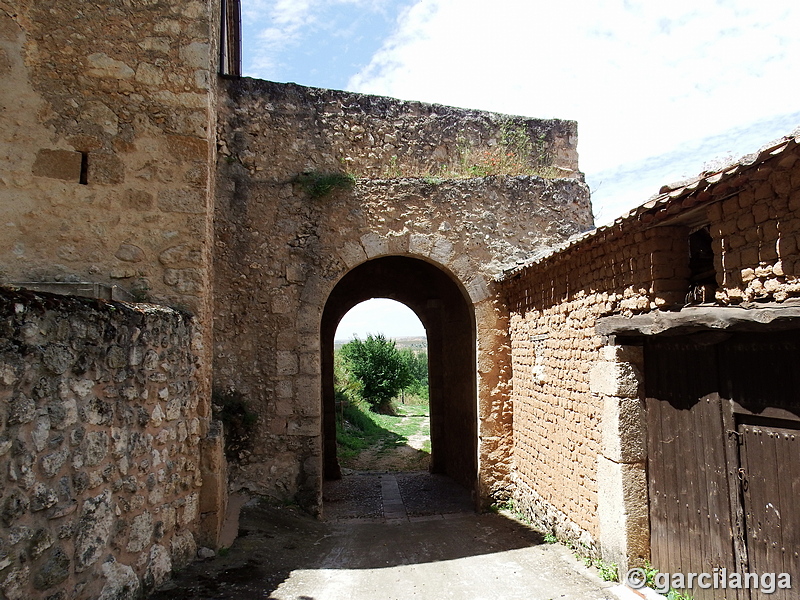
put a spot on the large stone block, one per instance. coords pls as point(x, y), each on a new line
point(623, 430)
point(615, 379)
point(182, 201)
point(58, 164)
point(623, 513)
point(94, 530)
point(121, 582)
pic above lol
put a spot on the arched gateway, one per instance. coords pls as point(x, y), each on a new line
point(446, 312)
point(328, 198)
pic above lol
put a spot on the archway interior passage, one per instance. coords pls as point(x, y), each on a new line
point(447, 315)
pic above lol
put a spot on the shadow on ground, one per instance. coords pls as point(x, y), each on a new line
point(442, 551)
point(358, 495)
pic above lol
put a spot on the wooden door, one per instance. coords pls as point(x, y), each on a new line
point(770, 482)
point(723, 424)
point(691, 523)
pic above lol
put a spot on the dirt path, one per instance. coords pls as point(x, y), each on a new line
point(387, 456)
point(379, 457)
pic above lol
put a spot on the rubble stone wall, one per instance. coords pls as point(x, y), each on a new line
point(561, 398)
point(99, 446)
point(280, 252)
point(281, 130)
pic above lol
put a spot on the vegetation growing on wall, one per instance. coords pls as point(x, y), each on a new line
point(237, 419)
point(516, 153)
point(318, 184)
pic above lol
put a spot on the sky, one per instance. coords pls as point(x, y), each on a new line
point(660, 90)
point(379, 315)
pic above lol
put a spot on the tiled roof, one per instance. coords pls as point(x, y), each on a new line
point(675, 198)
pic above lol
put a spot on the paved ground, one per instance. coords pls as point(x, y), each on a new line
point(387, 536)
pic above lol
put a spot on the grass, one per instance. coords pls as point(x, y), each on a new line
point(509, 506)
point(319, 184)
point(517, 152)
point(358, 428)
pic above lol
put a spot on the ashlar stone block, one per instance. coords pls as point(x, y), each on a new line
point(615, 379)
point(58, 164)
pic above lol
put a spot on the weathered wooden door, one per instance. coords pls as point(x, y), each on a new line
point(723, 419)
point(761, 376)
point(691, 523)
point(770, 481)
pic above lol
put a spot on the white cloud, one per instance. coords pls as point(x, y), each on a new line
point(286, 21)
point(639, 77)
point(280, 27)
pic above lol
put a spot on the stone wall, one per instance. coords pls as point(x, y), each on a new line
point(106, 144)
point(99, 446)
point(280, 130)
point(107, 152)
point(578, 444)
point(280, 252)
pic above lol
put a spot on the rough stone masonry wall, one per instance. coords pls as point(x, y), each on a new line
point(99, 446)
point(310, 129)
point(280, 252)
point(105, 160)
point(570, 428)
point(107, 150)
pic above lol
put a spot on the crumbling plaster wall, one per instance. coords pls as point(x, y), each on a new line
point(118, 95)
point(99, 446)
point(279, 252)
point(579, 453)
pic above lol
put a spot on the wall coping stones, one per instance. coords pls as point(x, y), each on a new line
point(84, 289)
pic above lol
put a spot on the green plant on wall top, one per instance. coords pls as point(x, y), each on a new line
point(318, 184)
point(516, 153)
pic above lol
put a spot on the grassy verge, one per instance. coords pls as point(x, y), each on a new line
point(358, 428)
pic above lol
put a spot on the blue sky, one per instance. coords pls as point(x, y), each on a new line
point(660, 90)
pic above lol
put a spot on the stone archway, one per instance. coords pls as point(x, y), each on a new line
point(447, 314)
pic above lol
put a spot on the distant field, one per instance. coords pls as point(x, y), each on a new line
point(414, 343)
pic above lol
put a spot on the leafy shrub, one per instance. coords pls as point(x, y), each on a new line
point(319, 184)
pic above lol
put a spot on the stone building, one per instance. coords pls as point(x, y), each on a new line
point(241, 219)
point(133, 171)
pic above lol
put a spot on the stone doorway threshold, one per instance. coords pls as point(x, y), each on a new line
point(371, 496)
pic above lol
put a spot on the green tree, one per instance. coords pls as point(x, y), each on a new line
point(417, 363)
point(380, 368)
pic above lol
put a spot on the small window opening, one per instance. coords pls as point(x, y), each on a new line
point(84, 176)
point(702, 274)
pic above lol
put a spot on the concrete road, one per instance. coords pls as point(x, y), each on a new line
point(283, 554)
